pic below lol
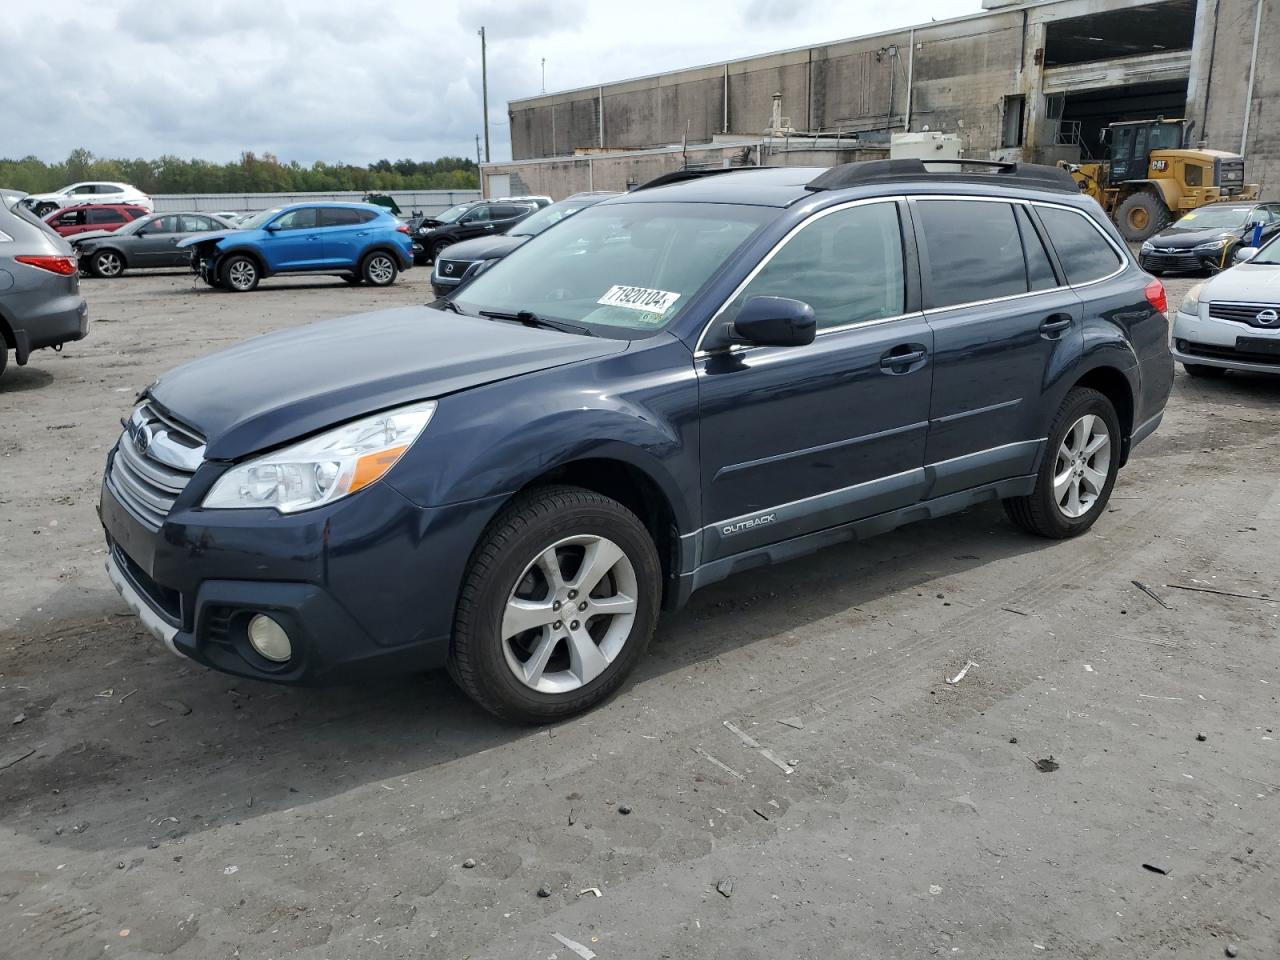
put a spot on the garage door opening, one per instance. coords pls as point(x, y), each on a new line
point(1083, 116)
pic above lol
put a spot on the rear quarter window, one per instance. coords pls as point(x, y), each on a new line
point(1082, 250)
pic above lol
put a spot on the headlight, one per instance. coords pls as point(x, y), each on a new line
point(1191, 302)
point(326, 467)
point(1147, 246)
point(1214, 244)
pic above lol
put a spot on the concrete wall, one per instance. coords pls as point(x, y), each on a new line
point(852, 85)
point(428, 201)
point(559, 177)
point(1220, 86)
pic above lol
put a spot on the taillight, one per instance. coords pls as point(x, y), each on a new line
point(63, 266)
point(403, 228)
point(1157, 297)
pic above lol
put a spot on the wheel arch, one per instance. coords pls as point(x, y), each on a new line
point(250, 252)
point(1166, 191)
point(124, 258)
point(1112, 383)
point(380, 247)
point(619, 476)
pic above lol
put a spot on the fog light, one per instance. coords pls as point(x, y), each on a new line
point(269, 639)
point(1181, 345)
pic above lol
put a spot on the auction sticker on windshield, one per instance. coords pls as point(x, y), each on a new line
point(639, 298)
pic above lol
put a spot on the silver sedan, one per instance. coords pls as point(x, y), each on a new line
point(1232, 322)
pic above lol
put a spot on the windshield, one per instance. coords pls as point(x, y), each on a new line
point(258, 219)
point(1214, 218)
point(621, 270)
point(1269, 253)
point(452, 214)
point(553, 214)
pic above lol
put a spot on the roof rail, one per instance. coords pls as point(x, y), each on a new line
point(680, 176)
point(1032, 175)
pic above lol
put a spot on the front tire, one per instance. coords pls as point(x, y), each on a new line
point(1141, 215)
point(379, 269)
point(239, 274)
point(440, 247)
point(107, 264)
point(558, 605)
point(1078, 470)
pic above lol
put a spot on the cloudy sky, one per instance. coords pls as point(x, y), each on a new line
point(337, 80)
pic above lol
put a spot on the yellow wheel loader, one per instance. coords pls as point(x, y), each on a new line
point(1150, 180)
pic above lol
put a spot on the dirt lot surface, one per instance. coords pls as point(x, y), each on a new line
point(150, 807)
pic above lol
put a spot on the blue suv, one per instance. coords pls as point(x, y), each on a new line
point(360, 242)
point(697, 379)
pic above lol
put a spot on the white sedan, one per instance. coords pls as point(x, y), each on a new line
point(1232, 322)
point(95, 191)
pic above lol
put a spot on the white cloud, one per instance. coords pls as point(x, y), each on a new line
point(335, 81)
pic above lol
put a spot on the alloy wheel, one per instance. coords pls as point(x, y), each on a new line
point(242, 275)
point(569, 614)
point(108, 264)
point(1083, 463)
point(381, 270)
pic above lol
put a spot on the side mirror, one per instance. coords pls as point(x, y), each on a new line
point(1245, 254)
point(143, 232)
point(775, 322)
point(271, 228)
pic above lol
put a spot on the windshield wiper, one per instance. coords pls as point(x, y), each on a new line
point(531, 319)
point(444, 303)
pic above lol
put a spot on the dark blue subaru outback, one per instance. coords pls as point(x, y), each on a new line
point(698, 379)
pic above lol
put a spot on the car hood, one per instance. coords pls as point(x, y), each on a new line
point(1245, 283)
point(42, 197)
point(482, 248)
point(1182, 239)
point(287, 385)
point(205, 237)
point(80, 238)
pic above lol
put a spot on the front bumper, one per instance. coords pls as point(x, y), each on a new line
point(364, 587)
point(1187, 261)
point(1224, 344)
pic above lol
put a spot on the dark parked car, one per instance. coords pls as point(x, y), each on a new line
point(150, 241)
point(476, 218)
point(93, 216)
point(696, 380)
point(1207, 239)
point(40, 302)
point(457, 259)
point(359, 242)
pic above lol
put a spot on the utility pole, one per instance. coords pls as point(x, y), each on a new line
point(544, 74)
point(484, 86)
point(477, 149)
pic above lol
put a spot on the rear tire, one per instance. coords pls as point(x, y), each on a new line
point(1141, 215)
point(1204, 371)
point(527, 645)
point(4, 356)
point(1077, 472)
point(379, 269)
point(239, 274)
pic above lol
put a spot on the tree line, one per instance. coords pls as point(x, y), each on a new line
point(252, 173)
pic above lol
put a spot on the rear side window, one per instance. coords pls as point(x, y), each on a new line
point(974, 251)
point(338, 217)
point(1039, 269)
point(192, 224)
point(846, 265)
point(104, 216)
point(1082, 250)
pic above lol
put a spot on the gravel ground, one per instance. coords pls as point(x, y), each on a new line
point(150, 807)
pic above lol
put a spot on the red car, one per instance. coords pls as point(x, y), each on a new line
point(93, 216)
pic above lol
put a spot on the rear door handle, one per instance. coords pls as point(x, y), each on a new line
point(1054, 324)
point(902, 358)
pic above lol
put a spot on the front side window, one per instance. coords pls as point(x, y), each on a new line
point(166, 224)
point(625, 270)
point(973, 251)
point(846, 265)
point(71, 218)
point(480, 214)
point(81, 189)
point(303, 218)
point(1082, 250)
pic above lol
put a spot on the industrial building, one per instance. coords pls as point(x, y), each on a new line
point(1033, 81)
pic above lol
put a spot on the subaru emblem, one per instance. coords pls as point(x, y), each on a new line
point(1267, 317)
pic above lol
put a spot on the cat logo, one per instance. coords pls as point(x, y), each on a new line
point(1160, 165)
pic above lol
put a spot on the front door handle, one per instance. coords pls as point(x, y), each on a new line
point(903, 358)
point(1054, 324)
